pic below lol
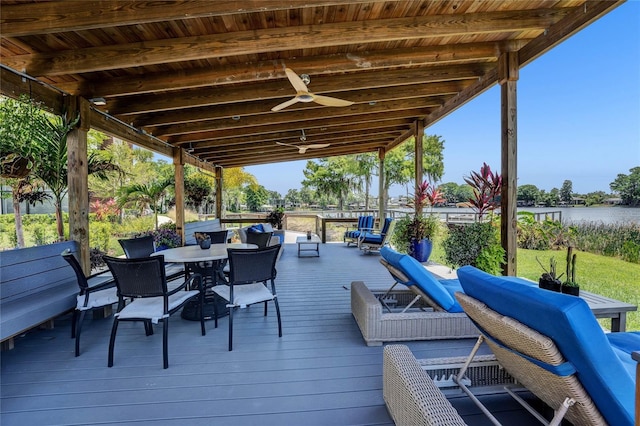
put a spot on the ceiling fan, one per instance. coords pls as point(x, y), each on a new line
point(303, 148)
point(303, 94)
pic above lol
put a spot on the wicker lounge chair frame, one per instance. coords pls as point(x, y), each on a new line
point(411, 396)
point(534, 361)
point(378, 326)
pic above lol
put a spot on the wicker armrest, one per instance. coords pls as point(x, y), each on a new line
point(409, 393)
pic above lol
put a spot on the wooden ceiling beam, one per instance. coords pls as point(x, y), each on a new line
point(278, 91)
point(164, 51)
point(179, 118)
point(396, 124)
point(300, 115)
point(309, 155)
point(61, 16)
point(273, 70)
point(253, 148)
point(251, 130)
point(290, 152)
point(274, 150)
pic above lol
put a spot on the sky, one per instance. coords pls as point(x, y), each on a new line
point(578, 116)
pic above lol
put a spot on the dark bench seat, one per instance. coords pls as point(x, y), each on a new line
point(36, 286)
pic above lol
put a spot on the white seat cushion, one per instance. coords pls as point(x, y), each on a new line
point(153, 307)
point(244, 295)
point(98, 299)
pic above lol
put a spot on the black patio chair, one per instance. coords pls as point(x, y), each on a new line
point(143, 247)
point(261, 239)
point(249, 271)
point(144, 281)
point(96, 291)
point(217, 237)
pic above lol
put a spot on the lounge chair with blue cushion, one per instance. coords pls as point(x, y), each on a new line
point(351, 236)
point(445, 321)
point(554, 346)
point(369, 240)
point(405, 270)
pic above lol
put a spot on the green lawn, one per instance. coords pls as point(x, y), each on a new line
point(598, 274)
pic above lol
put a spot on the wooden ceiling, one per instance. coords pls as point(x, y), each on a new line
point(204, 75)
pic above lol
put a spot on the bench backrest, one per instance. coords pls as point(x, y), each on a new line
point(569, 322)
point(191, 228)
point(25, 272)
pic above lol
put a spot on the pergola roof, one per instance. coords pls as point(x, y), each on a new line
point(204, 75)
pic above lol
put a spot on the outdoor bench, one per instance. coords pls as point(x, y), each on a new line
point(191, 228)
point(36, 286)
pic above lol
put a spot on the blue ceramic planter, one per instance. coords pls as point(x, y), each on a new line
point(420, 250)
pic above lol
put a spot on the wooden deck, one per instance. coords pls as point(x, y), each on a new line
point(319, 373)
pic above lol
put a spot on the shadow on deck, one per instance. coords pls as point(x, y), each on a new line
point(319, 373)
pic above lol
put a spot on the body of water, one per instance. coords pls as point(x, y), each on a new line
point(574, 214)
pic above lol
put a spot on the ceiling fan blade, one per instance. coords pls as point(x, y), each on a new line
point(296, 81)
point(329, 101)
point(287, 144)
point(285, 104)
point(317, 145)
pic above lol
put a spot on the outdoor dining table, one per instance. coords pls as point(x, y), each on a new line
point(188, 254)
point(216, 253)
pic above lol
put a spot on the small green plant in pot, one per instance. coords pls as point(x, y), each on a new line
point(549, 280)
point(570, 286)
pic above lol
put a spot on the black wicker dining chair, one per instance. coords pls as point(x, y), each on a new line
point(143, 280)
point(145, 246)
point(249, 271)
point(96, 291)
point(261, 239)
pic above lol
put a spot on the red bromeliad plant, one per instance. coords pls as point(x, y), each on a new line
point(486, 186)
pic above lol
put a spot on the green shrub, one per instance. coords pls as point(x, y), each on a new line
point(476, 244)
point(99, 235)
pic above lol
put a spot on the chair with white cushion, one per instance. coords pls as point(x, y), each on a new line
point(144, 281)
point(96, 291)
point(249, 271)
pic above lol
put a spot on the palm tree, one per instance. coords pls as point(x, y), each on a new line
point(149, 195)
point(51, 164)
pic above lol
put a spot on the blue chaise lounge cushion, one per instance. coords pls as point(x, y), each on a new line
point(569, 322)
point(440, 291)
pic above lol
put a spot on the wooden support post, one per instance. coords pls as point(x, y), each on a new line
point(219, 186)
point(419, 152)
point(178, 164)
point(77, 179)
point(508, 74)
point(382, 194)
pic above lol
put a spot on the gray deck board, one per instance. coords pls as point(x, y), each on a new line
point(319, 373)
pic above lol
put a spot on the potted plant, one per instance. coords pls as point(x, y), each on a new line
point(478, 243)
point(275, 217)
point(549, 280)
point(414, 233)
point(570, 286)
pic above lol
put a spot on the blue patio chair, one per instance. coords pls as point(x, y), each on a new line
point(351, 236)
point(369, 240)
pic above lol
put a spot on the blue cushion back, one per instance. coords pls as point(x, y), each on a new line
point(569, 322)
point(424, 280)
point(385, 227)
point(362, 221)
